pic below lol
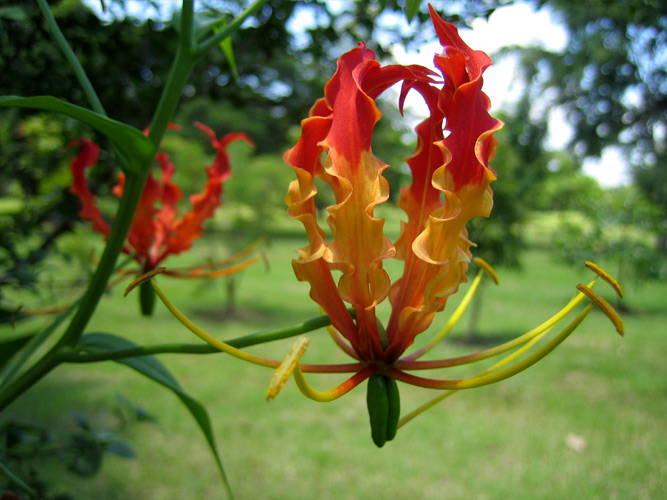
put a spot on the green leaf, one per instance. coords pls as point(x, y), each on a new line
point(411, 8)
point(81, 420)
point(130, 142)
point(227, 49)
point(202, 24)
point(14, 13)
point(152, 368)
point(11, 205)
point(121, 448)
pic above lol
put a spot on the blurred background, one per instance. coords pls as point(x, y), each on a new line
point(582, 169)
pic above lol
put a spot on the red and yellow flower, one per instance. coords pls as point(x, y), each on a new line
point(450, 185)
point(157, 231)
point(451, 179)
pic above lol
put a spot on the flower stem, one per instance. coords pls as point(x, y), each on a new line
point(233, 26)
point(177, 79)
point(67, 51)
point(239, 342)
point(134, 185)
point(17, 481)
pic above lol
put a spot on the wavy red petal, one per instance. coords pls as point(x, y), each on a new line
point(87, 157)
point(190, 227)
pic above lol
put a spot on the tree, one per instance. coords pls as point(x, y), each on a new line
point(265, 93)
point(611, 79)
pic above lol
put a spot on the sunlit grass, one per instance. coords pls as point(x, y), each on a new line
point(587, 422)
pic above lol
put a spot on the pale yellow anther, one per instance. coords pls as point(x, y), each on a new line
point(605, 276)
point(143, 278)
point(488, 269)
point(286, 368)
point(604, 307)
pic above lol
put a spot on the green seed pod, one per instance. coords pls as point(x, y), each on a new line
point(384, 408)
point(394, 408)
point(378, 408)
point(146, 298)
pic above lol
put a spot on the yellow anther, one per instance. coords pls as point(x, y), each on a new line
point(286, 367)
point(604, 307)
point(488, 269)
point(143, 278)
point(605, 276)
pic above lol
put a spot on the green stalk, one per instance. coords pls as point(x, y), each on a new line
point(17, 481)
point(181, 348)
point(232, 27)
point(134, 186)
point(178, 76)
point(61, 41)
point(131, 194)
point(184, 61)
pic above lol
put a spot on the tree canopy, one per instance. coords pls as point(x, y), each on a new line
point(611, 78)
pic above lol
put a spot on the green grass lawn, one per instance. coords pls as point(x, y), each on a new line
point(587, 422)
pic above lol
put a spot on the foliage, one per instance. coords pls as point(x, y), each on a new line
point(189, 59)
point(522, 166)
point(128, 60)
point(25, 447)
point(611, 80)
point(613, 227)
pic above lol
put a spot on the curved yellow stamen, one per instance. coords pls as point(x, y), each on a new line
point(286, 367)
point(458, 312)
point(407, 364)
point(488, 269)
point(415, 413)
point(605, 307)
point(330, 395)
point(201, 271)
point(143, 278)
point(218, 344)
point(605, 276)
point(39, 312)
point(496, 376)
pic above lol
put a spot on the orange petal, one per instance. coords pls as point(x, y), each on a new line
point(170, 195)
point(88, 154)
point(190, 226)
point(442, 198)
point(340, 127)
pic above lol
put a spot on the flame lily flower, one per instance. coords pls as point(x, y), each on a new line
point(156, 231)
point(451, 180)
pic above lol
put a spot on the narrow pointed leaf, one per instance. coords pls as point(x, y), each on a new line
point(130, 142)
point(14, 13)
point(227, 50)
point(411, 9)
point(152, 368)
